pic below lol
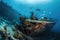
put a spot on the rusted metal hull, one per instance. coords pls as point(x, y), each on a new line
point(37, 27)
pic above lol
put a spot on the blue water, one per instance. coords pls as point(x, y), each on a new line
point(49, 10)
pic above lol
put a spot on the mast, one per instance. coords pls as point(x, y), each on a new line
point(32, 16)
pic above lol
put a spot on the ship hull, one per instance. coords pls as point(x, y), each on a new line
point(38, 27)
